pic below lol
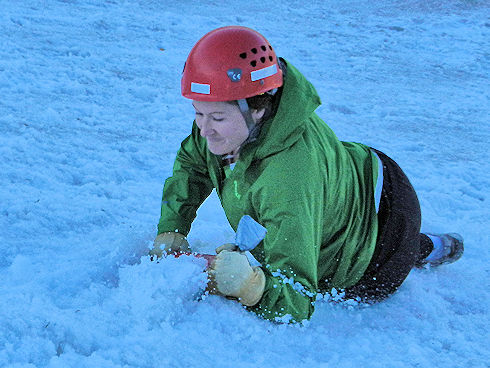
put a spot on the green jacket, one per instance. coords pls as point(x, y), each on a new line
point(313, 193)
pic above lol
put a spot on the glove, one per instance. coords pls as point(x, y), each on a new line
point(171, 242)
point(231, 275)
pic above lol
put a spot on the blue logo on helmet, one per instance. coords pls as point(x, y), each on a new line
point(234, 74)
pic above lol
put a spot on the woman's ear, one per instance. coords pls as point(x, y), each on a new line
point(258, 114)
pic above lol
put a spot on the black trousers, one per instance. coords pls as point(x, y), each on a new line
point(399, 244)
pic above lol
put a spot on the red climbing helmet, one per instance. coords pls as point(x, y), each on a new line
point(230, 63)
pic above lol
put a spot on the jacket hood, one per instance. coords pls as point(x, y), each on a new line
point(298, 101)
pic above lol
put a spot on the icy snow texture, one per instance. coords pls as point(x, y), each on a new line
point(90, 120)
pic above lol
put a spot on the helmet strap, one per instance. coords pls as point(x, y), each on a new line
point(252, 129)
point(246, 113)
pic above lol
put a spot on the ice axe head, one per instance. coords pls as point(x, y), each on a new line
point(249, 233)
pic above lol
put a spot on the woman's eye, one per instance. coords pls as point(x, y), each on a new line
point(200, 114)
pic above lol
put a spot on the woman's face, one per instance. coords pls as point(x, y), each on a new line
point(223, 125)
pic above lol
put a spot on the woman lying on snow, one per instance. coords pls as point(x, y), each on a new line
point(338, 214)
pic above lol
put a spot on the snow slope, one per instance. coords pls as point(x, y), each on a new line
point(90, 120)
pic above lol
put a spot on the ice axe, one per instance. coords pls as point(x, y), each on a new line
point(249, 234)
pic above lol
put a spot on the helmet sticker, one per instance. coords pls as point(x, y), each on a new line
point(263, 73)
point(204, 89)
point(234, 74)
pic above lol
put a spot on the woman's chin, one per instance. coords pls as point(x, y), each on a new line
point(216, 150)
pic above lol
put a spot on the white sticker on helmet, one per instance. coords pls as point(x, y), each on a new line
point(204, 89)
point(263, 73)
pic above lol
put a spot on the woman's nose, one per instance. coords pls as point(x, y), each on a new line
point(206, 127)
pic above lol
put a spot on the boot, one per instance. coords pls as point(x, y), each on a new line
point(452, 250)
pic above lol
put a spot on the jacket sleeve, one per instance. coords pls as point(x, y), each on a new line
point(291, 251)
point(188, 186)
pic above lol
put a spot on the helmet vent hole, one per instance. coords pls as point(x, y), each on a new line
point(243, 55)
point(254, 50)
point(271, 59)
point(270, 47)
point(253, 63)
point(262, 60)
point(263, 48)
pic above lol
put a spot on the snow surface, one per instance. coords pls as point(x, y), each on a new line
point(91, 117)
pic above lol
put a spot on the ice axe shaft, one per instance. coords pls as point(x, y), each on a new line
point(208, 257)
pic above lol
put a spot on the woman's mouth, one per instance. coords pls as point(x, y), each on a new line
point(214, 139)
